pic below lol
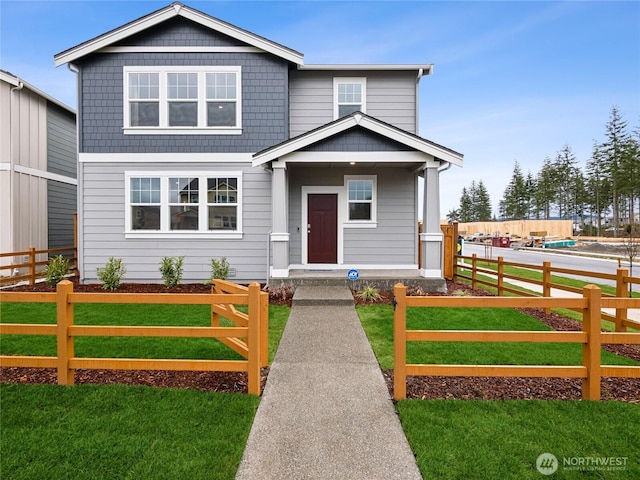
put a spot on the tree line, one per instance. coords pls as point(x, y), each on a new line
point(609, 186)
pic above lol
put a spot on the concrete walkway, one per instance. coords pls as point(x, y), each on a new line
point(326, 412)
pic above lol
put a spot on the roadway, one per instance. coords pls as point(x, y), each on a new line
point(558, 260)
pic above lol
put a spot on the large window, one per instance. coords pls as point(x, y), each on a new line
point(349, 96)
point(361, 199)
point(184, 204)
point(184, 100)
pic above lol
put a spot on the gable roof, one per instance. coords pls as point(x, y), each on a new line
point(364, 121)
point(176, 10)
point(11, 79)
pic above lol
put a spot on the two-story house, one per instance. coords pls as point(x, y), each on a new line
point(199, 138)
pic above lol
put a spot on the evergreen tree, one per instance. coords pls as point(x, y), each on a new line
point(598, 186)
point(614, 149)
point(514, 203)
point(465, 210)
point(566, 172)
point(483, 203)
point(545, 190)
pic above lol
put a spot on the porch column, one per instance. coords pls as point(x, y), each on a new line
point(431, 238)
point(279, 219)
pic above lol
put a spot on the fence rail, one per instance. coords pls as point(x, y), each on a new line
point(248, 337)
point(591, 339)
point(32, 263)
point(495, 278)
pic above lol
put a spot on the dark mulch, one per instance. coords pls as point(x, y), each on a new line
point(623, 389)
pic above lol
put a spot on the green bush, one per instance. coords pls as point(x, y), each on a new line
point(56, 270)
point(112, 273)
point(171, 270)
point(220, 268)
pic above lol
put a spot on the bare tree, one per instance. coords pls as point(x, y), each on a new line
point(632, 248)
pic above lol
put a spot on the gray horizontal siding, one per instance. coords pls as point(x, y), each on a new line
point(393, 242)
point(61, 205)
point(391, 97)
point(61, 142)
point(104, 218)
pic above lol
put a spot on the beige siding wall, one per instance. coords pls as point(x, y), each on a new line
point(23, 144)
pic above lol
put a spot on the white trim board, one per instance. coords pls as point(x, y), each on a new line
point(177, 158)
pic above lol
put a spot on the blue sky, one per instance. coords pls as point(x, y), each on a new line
point(513, 80)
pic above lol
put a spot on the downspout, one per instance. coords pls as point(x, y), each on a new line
point(420, 74)
point(12, 147)
point(79, 174)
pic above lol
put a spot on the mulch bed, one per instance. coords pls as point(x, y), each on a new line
point(467, 388)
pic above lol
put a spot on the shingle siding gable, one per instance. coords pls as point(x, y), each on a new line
point(265, 101)
point(356, 140)
point(180, 32)
point(265, 104)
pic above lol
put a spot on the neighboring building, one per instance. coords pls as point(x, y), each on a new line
point(38, 166)
point(201, 139)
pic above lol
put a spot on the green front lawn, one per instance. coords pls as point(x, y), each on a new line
point(469, 439)
point(129, 347)
point(121, 432)
point(377, 321)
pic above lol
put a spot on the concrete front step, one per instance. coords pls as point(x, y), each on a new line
point(315, 295)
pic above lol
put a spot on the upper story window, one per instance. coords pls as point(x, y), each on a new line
point(181, 204)
point(349, 96)
point(362, 200)
point(182, 100)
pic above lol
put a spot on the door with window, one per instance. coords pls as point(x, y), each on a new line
point(322, 228)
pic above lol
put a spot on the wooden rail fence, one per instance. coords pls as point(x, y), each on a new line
point(32, 263)
point(591, 339)
point(495, 278)
point(248, 337)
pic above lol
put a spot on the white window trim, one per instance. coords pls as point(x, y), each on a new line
point(339, 80)
point(164, 129)
point(373, 223)
point(164, 231)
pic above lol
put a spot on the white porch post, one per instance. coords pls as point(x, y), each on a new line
point(431, 238)
point(279, 219)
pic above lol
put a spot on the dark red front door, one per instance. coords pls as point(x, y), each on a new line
point(322, 231)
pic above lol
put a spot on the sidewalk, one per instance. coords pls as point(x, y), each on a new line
point(326, 412)
point(632, 313)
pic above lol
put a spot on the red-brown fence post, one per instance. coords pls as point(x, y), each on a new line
point(254, 340)
point(65, 341)
point(621, 291)
point(400, 342)
point(500, 276)
point(591, 350)
point(546, 282)
point(474, 270)
point(32, 266)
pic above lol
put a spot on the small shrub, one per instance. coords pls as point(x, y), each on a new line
point(111, 274)
point(369, 294)
point(171, 270)
point(56, 270)
point(220, 268)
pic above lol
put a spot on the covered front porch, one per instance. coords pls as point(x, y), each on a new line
point(346, 196)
